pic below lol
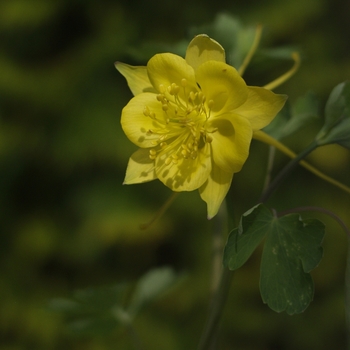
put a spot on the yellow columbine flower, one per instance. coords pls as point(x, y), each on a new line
point(193, 120)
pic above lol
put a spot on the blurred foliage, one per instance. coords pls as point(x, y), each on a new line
point(294, 117)
point(67, 222)
point(101, 310)
point(336, 128)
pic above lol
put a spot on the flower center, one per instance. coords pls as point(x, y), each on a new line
point(183, 129)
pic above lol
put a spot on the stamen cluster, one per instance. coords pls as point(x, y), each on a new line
point(183, 123)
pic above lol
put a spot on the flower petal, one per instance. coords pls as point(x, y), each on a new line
point(214, 191)
point(136, 76)
point(223, 85)
point(261, 106)
point(188, 174)
point(140, 168)
point(136, 125)
point(231, 140)
point(165, 69)
point(202, 49)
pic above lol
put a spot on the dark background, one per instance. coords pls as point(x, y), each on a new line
point(67, 222)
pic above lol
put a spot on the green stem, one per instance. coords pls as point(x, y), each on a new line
point(215, 311)
point(124, 317)
point(134, 337)
point(220, 226)
point(220, 282)
point(286, 170)
point(270, 161)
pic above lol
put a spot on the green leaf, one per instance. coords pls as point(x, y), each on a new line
point(100, 299)
point(292, 250)
point(150, 286)
point(93, 326)
point(91, 311)
point(243, 240)
point(337, 104)
point(90, 301)
point(99, 310)
point(63, 305)
point(294, 117)
point(336, 128)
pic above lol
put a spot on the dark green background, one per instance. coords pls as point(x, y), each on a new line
point(67, 222)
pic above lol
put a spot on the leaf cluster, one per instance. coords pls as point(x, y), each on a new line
point(96, 311)
point(292, 245)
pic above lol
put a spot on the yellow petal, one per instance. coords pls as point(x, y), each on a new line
point(261, 106)
point(223, 85)
point(202, 49)
point(136, 125)
point(165, 69)
point(140, 168)
point(231, 141)
point(136, 76)
point(214, 191)
point(187, 174)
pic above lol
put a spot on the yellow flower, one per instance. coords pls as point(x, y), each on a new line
point(193, 120)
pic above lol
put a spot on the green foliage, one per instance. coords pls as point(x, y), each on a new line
point(89, 311)
point(336, 128)
point(100, 310)
point(294, 116)
point(292, 249)
point(149, 287)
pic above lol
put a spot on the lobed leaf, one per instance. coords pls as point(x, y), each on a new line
point(292, 249)
point(243, 240)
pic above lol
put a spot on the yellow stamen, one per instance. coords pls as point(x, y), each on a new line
point(284, 77)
